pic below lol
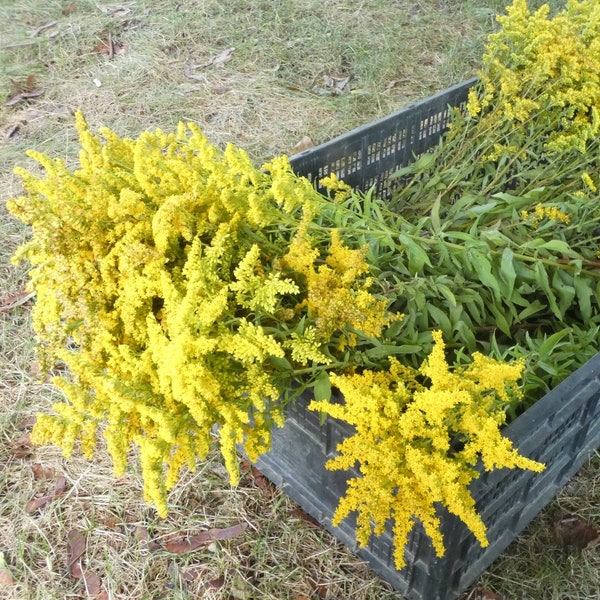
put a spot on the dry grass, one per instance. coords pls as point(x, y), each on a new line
point(266, 98)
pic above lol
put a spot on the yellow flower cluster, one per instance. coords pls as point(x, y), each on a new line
point(341, 190)
point(541, 211)
point(545, 69)
point(179, 286)
point(417, 443)
point(337, 293)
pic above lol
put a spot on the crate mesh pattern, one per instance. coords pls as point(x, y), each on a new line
point(561, 430)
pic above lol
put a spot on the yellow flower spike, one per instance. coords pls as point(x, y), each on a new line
point(404, 438)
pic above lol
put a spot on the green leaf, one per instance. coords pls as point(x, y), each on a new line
point(385, 350)
point(483, 268)
point(507, 270)
point(561, 247)
point(440, 318)
point(584, 294)
point(501, 320)
point(322, 387)
point(535, 307)
point(435, 215)
point(417, 257)
point(541, 278)
point(548, 346)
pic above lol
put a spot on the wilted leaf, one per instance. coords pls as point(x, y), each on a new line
point(41, 473)
point(484, 594)
point(572, 532)
point(6, 578)
point(75, 550)
point(20, 298)
point(192, 542)
point(21, 447)
point(113, 10)
point(261, 481)
point(67, 10)
point(304, 516)
point(26, 423)
point(37, 503)
point(92, 583)
point(43, 27)
point(218, 59)
point(23, 96)
point(319, 588)
point(304, 144)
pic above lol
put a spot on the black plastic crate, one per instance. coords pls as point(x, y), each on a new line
point(561, 430)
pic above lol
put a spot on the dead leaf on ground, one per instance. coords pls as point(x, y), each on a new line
point(111, 47)
point(67, 10)
point(26, 423)
point(320, 589)
point(332, 85)
point(304, 144)
point(571, 531)
point(14, 300)
point(6, 578)
point(262, 482)
point(42, 473)
point(37, 503)
point(77, 541)
point(218, 59)
point(23, 96)
point(21, 447)
point(395, 83)
point(481, 593)
point(301, 514)
point(113, 10)
point(190, 543)
point(93, 585)
point(44, 27)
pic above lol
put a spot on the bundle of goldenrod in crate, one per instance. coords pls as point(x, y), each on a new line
point(184, 288)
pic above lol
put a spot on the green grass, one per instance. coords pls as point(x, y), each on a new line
point(265, 99)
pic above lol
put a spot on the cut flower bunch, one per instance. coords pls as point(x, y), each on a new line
point(183, 293)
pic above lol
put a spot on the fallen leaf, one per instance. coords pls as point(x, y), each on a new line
point(319, 588)
point(192, 542)
point(15, 300)
point(304, 144)
point(301, 514)
point(61, 486)
point(572, 532)
point(37, 503)
point(75, 550)
point(396, 82)
point(41, 473)
point(26, 423)
point(113, 11)
point(21, 447)
point(262, 482)
point(43, 27)
point(23, 96)
point(110, 522)
point(6, 578)
point(92, 584)
point(218, 59)
point(481, 593)
point(188, 71)
point(12, 131)
point(332, 85)
point(67, 10)
point(111, 47)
